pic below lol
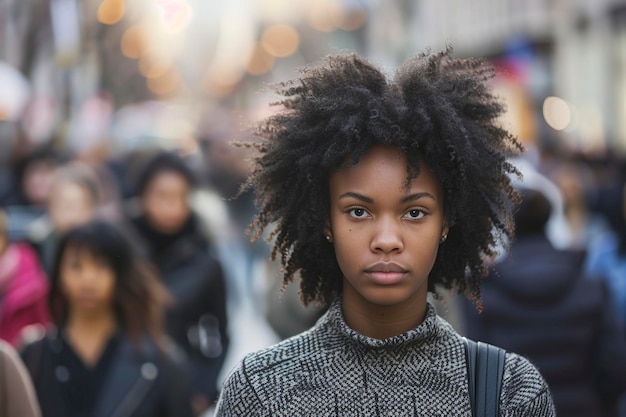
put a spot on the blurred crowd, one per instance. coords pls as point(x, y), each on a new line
point(69, 225)
point(141, 262)
point(138, 261)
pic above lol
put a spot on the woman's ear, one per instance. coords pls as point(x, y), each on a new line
point(328, 234)
point(444, 232)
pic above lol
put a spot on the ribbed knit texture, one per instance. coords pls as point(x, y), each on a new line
point(331, 370)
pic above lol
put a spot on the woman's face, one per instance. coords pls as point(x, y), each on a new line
point(70, 205)
point(166, 201)
point(87, 281)
point(37, 181)
point(386, 235)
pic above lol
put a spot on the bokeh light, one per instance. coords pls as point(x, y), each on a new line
point(557, 113)
point(111, 11)
point(260, 61)
point(134, 41)
point(280, 40)
point(324, 16)
point(151, 67)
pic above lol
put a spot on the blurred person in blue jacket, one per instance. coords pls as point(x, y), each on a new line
point(107, 355)
point(539, 303)
point(607, 254)
point(171, 235)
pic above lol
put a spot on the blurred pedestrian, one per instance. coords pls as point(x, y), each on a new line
point(574, 180)
point(107, 355)
point(74, 201)
point(17, 395)
point(171, 234)
point(377, 190)
point(539, 302)
point(32, 176)
point(23, 288)
point(607, 255)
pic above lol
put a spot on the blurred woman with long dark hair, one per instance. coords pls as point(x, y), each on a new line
point(107, 355)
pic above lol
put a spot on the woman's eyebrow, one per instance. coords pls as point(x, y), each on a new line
point(417, 196)
point(406, 199)
point(357, 196)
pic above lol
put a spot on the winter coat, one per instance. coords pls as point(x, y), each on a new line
point(197, 320)
point(538, 303)
point(141, 382)
point(23, 296)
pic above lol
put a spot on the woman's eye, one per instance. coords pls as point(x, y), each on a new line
point(358, 213)
point(414, 214)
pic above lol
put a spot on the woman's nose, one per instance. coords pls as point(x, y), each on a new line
point(387, 237)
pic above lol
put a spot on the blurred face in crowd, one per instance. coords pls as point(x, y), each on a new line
point(70, 205)
point(570, 183)
point(87, 281)
point(37, 181)
point(166, 201)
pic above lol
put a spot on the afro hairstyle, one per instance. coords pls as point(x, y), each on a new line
point(437, 109)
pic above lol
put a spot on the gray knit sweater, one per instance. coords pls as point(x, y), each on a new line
point(331, 370)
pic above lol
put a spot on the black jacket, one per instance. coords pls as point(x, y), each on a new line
point(143, 382)
point(193, 275)
point(538, 303)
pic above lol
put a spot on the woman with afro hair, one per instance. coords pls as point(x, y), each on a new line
point(379, 190)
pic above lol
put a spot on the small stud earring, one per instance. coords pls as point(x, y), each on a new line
point(443, 238)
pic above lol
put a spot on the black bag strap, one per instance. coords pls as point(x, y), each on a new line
point(485, 369)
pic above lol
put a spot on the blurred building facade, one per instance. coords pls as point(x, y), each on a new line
point(563, 61)
point(573, 52)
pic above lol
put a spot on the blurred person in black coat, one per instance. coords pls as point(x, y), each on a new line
point(172, 237)
point(538, 303)
point(107, 354)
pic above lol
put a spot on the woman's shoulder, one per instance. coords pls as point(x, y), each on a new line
point(285, 359)
point(524, 390)
point(287, 354)
point(261, 373)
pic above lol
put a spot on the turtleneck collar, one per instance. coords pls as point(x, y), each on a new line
point(427, 330)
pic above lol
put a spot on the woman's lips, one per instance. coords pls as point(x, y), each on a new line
point(386, 273)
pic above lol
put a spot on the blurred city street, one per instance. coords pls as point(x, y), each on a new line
point(129, 111)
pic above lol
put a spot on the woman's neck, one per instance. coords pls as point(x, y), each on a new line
point(381, 322)
point(89, 334)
